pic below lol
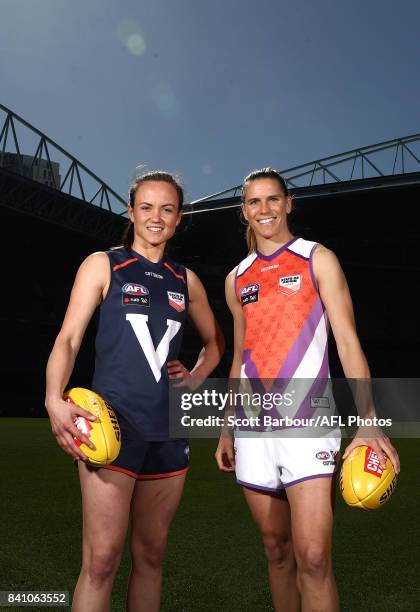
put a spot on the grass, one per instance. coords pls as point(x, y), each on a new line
point(214, 560)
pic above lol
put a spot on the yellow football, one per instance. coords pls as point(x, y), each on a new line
point(363, 483)
point(104, 432)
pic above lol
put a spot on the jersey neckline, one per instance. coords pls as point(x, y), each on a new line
point(153, 264)
point(276, 253)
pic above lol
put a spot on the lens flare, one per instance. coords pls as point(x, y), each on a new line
point(130, 35)
point(136, 44)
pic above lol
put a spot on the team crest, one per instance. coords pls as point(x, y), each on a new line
point(176, 300)
point(290, 284)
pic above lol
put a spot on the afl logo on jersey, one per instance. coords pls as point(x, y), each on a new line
point(134, 289)
point(249, 294)
point(135, 294)
point(290, 284)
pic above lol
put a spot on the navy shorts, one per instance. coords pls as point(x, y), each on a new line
point(146, 460)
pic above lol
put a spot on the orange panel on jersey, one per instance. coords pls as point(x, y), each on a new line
point(277, 298)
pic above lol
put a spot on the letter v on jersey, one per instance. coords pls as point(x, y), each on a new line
point(156, 358)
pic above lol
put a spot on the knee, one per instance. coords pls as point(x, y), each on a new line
point(314, 560)
point(102, 566)
point(148, 552)
point(277, 549)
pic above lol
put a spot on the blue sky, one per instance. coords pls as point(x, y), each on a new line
point(214, 89)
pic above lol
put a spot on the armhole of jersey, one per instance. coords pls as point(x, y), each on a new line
point(235, 283)
point(311, 266)
point(187, 288)
point(108, 291)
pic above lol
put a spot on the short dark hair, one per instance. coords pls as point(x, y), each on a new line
point(152, 175)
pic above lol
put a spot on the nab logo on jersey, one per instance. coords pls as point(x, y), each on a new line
point(249, 294)
point(134, 294)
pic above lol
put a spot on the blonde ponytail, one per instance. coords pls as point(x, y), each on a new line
point(251, 240)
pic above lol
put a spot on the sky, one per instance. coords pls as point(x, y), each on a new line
point(210, 90)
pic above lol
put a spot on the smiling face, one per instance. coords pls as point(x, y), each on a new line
point(155, 213)
point(266, 207)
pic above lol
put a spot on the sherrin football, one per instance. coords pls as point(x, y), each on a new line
point(104, 432)
point(363, 483)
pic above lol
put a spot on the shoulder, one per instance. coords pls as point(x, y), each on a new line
point(322, 256)
point(327, 268)
point(195, 286)
point(96, 261)
point(230, 278)
point(93, 273)
point(192, 279)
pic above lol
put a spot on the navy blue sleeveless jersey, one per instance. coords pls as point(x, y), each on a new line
point(141, 322)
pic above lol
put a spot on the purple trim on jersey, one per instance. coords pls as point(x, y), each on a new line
point(311, 267)
point(292, 252)
point(250, 367)
point(302, 342)
point(331, 475)
point(317, 388)
point(258, 487)
point(276, 253)
point(252, 373)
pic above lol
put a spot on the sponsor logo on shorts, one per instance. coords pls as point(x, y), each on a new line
point(327, 457)
point(135, 294)
point(187, 451)
point(176, 300)
point(249, 294)
point(372, 465)
point(290, 284)
point(322, 455)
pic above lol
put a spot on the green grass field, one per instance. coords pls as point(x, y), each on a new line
point(214, 560)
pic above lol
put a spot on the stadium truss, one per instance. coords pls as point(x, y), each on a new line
point(19, 138)
point(393, 158)
point(373, 165)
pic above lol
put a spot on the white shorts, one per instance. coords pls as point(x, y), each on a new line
point(272, 463)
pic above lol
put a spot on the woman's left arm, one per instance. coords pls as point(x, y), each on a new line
point(210, 333)
point(335, 294)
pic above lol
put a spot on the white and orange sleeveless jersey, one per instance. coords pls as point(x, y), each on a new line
point(285, 349)
point(285, 320)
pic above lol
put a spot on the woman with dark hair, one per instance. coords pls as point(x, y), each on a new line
point(143, 299)
point(281, 297)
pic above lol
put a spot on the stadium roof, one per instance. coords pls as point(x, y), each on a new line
point(391, 158)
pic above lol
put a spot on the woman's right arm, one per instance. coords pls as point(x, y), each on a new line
point(89, 287)
point(225, 456)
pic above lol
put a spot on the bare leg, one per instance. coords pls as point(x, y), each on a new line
point(312, 521)
point(106, 498)
point(272, 515)
point(153, 507)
